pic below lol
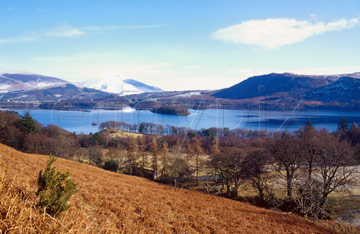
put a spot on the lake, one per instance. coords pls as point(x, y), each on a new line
point(80, 121)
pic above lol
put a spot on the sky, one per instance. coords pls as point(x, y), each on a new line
point(179, 45)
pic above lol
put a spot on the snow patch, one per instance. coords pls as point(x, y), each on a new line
point(128, 109)
point(41, 84)
point(112, 83)
point(188, 94)
point(5, 87)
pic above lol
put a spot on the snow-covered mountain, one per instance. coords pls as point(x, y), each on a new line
point(23, 82)
point(10, 82)
point(119, 85)
point(54, 93)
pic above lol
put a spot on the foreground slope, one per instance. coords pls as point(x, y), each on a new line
point(114, 203)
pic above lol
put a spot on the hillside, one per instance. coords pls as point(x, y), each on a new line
point(10, 82)
point(267, 85)
point(30, 87)
point(112, 203)
point(345, 90)
point(287, 91)
point(64, 91)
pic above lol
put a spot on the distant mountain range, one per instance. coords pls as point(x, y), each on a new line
point(273, 91)
point(35, 87)
point(281, 89)
point(10, 82)
point(274, 83)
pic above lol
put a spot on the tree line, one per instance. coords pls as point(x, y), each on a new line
point(312, 163)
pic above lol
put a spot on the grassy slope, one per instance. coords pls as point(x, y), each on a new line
point(122, 134)
point(115, 203)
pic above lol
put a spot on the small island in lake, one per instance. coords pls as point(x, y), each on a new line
point(170, 110)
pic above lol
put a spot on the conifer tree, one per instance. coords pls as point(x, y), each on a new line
point(27, 124)
point(196, 144)
point(142, 148)
point(164, 159)
point(55, 189)
point(154, 149)
point(343, 125)
point(131, 155)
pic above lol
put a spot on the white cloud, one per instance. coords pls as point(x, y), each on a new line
point(119, 27)
point(193, 67)
point(65, 30)
point(273, 33)
point(15, 40)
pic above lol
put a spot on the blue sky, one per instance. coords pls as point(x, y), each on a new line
point(176, 45)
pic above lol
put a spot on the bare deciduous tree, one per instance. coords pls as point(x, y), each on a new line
point(228, 163)
point(287, 157)
point(308, 200)
point(254, 169)
point(335, 161)
point(307, 137)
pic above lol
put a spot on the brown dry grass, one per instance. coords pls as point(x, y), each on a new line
point(122, 134)
point(114, 203)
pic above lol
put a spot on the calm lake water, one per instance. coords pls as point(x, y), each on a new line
point(79, 121)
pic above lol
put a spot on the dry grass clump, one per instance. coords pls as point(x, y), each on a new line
point(109, 202)
point(18, 211)
point(122, 134)
point(341, 228)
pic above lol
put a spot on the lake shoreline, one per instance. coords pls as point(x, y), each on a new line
point(36, 107)
point(259, 120)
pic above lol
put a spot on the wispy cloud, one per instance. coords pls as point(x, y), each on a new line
point(15, 40)
point(69, 31)
point(65, 30)
point(120, 27)
point(194, 66)
point(273, 33)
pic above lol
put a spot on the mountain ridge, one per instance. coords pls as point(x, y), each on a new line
point(276, 91)
point(27, 87)
point(345, 89)
point(270, 84)
point(27, 81)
